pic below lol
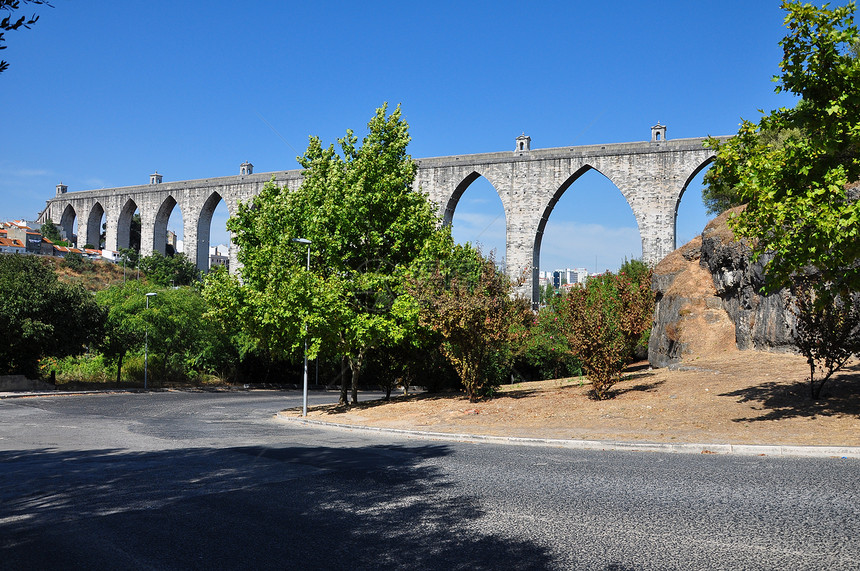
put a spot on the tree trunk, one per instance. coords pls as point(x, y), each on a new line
point(355, 365)
point(119, 369)
point(343, 386)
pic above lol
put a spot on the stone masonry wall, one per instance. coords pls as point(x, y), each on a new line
point(651, 175)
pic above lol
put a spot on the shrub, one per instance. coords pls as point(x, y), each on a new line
point(74, 262)
point(544, 351)
point(605, 321)
point(87, 368)
point(133, 370)
point(827, 331)
point(168, 271)
point(468, 304)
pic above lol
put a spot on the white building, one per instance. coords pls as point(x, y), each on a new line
point(218, 259)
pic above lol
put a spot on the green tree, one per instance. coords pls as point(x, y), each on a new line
point(721, 192)
point(798, 210)
point(42, 317)
point(183, 340)
point(544, 352)
point(129, 257)
point(125, 326)
point(134, 233)
point(176, 270)
point(10, 23)
point(51, 232)
point(366, 225)
point(547, 294)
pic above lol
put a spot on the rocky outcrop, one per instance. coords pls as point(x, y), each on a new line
point(709, 300)
point(761, 321)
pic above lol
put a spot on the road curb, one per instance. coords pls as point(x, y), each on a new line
point(24, 394)
point(784, 451)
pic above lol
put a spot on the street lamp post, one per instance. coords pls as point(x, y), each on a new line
point(146, 344)
point(305, 386)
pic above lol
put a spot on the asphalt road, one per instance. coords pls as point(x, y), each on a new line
point(213, 481)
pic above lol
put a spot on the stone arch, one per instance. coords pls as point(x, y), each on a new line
point(94, 226)
point(123, 227)
point(705, 164)
point(204, 228)
point(162, 217)
point(454, 198)
point(550, 206)
point(67, 222)
point(449, 201)
point(490, 241)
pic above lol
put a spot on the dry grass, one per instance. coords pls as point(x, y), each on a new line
point(738, 397)
point(94, 276)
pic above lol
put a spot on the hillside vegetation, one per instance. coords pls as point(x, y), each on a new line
point(94, 276)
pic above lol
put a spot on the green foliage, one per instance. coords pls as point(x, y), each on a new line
point(544, 351)
point(77, 262)
point(40, 316)
point(798, 210)
point(721, 192)
point(87, 368)
point(51, 232)
point(125, 326)
point(167, 271)
point(636, 271)
point(547, 294)
point(182, 340)
point(134, 233)
point(180, 335)
point(129, 257)
point(827, 329)
point(467, 301)
point(604, 321)
point(366, 225)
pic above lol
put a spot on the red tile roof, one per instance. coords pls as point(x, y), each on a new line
point(8, 242)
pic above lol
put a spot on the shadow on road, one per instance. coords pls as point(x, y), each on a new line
point(365, 507)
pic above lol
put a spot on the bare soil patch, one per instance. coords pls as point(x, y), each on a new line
point(736, 397)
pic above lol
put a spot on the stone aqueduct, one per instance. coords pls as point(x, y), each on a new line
point(651, 175)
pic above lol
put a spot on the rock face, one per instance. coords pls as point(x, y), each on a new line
point(709, 300)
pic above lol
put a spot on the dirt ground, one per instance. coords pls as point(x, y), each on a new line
point(737, 397)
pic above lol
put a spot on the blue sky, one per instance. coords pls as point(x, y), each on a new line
point(101, 94)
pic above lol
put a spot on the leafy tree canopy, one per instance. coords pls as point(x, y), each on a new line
point(798, 209)
point(366, 225)
point(41, 316)
point(720, 193)
point(125, 325)
point(180, 334)
point(51, 232)
point(176, 270)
